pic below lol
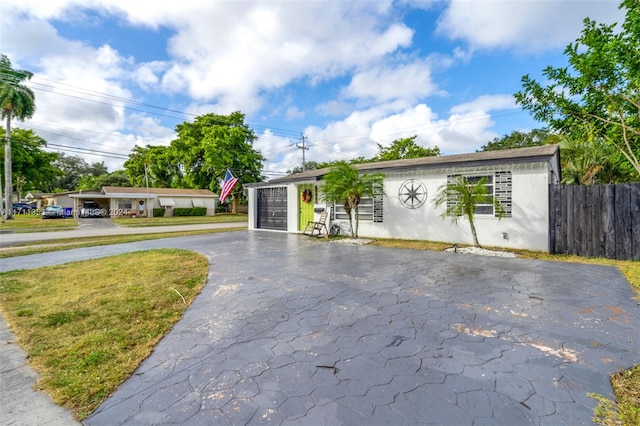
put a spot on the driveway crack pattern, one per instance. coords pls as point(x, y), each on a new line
point(291, 330)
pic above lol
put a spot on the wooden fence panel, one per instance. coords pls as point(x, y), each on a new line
point(608, 221)
point(635, 221)
point(623, 223)
point(595, 221)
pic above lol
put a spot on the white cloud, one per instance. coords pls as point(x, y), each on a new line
point(147, 75)
point(459, 133)
point(294, 113)
point(384, 83)
point(525, 26)
point(258, 46)
point(486, 103)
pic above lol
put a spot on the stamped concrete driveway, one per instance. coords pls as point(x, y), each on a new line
point(291, 330)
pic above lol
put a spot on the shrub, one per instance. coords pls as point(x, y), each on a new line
point(190, 211)
point(158, 212)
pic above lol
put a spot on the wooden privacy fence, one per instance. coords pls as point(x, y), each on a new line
point(595, 220)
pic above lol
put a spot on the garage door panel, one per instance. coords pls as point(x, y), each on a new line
point(272, 208)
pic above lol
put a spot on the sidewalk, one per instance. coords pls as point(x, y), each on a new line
point(16, 387)
point(8, 240)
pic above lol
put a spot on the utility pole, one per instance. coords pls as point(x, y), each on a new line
point(303, 148)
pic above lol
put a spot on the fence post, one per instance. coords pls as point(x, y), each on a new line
point(635, 221)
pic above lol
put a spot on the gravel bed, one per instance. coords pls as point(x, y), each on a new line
point(481, 251)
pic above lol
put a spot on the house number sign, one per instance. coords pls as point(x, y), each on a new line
point(412, 194)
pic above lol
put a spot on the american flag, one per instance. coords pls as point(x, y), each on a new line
point(228, 184)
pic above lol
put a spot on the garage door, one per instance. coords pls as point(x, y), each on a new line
point(272, 208)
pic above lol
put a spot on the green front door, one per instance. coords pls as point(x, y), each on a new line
point(306, 197)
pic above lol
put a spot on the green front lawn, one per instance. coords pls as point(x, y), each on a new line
point(180, 220)
point(35, 223)
point(84, 340)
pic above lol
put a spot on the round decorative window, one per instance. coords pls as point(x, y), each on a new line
point(412, 194)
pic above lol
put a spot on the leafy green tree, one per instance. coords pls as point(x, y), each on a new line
point(95, 183)
point(16, 101)
point(310, 165)
point(344, 184)
point(73, 169)
point(404, 148)
point(214, 143)
point(519, 139)
point(155, 163)
point(598, 95)
point(588, 162)
point(33, 167)
point(466, 196)
point(585, 160)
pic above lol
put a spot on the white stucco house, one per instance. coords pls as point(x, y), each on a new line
point(518, 178)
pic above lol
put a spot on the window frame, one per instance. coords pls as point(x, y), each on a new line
point(497, 181)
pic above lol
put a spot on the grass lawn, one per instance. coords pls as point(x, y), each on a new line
point(87, 325)
point(625, 411)
point(180, 220)
point(35, 223)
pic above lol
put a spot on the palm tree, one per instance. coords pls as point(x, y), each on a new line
point(465, 195)
point(16, 101)
point(344, 184)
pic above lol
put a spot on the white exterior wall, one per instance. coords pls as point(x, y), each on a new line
point(292, 208)
point(526, 229)
point(252, 198)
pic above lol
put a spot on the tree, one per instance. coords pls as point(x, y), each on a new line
point(591, 161)
point(95, 183)
point(156, 163)
point(16, 101)
point(585, 160)
point(344, 184)
point(598, 95)
point(519, 139)
point(461, 197)
point(310, 165)
point(214, 143)
point(404, 148)
point(74, 168)
point(32, 167)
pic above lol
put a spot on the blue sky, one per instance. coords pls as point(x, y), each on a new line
point(110, 74)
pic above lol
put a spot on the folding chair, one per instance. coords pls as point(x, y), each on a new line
point(314, 229)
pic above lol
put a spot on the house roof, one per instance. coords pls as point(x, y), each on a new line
point(484, 158)
point(174, 192)
point(38, 195)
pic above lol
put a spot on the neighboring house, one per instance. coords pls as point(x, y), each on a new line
point(37, 199)
point(127, 201)
point(519, 178)
point(65, 199)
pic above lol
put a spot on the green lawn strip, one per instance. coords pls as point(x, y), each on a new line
point(46, 246)
point(86, 326)
point(180, 220)
point(35, 223)
point(626, 384)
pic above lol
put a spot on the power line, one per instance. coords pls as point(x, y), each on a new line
point(89, 151)
point(88, 92)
